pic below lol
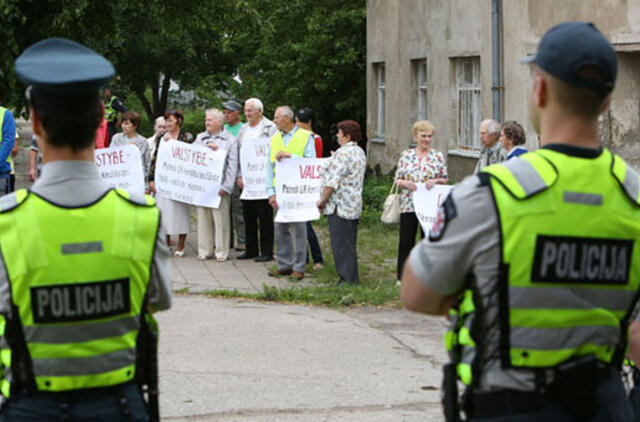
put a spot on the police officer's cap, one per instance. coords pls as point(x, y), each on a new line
point(61, 66)
point(569, 47)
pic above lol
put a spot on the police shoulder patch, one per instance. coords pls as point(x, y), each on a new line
point(446, 213)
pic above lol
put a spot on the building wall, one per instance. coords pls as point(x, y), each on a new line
point(440, 30)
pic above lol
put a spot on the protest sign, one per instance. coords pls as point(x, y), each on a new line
point(121, 167)
point(298, 189)
point(426, 203)
point(189, 173)
point(253, 161)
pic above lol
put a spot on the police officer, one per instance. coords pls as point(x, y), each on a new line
point(540, 257)
point(82, 264)
point(112, 109)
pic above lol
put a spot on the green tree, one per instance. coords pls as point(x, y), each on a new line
point(308, 54)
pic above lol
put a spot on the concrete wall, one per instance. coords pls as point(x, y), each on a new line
point(441, 29)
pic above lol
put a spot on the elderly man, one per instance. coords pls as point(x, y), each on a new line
point(232, 110)
point(215, 221)
point(291, 238)
point(492, 151)
point(256, 211)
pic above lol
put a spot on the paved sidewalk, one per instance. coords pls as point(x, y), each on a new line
point(243, 275)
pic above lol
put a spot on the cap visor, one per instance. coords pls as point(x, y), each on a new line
point(529, 59)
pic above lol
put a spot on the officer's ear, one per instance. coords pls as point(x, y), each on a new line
point(540, 92)
point(36, 124)
point(606, 104)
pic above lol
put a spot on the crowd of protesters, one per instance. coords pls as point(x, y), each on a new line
point(248, 225)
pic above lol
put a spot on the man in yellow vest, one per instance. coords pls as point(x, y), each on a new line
point(539, 257)
point(83, 265)
point(291, 238)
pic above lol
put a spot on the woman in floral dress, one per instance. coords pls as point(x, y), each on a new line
point(416, 165)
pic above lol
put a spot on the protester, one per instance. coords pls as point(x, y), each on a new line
point(291, 238)
point(341, 199)
point(130, 123)
point(159, 128)
point(512, 137)
point(35, 159)
point(491, 152)
point(534, 255)
point(421, 164)
point(175, 214)
point(7, 141)
point(213, 223)
point(257, 211)
point(232, 111)
point(304, 119)
point(112, 107)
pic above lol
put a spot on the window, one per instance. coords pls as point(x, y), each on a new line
point(467, 74)
point(378, 73)
point(419, 73)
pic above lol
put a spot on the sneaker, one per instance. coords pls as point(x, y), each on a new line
point(179, 254)
point(202, 258)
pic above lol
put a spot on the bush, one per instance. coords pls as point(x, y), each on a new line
point(374, 193)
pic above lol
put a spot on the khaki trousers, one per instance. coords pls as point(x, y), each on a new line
point(214, 229)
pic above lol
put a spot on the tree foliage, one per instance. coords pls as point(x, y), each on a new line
point(310, 54)
point(303, 53)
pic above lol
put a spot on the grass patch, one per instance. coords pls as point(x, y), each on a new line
point(377, 254)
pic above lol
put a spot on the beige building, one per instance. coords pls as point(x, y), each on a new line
point(456, 62)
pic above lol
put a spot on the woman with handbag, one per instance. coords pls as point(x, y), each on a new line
point(421, 164)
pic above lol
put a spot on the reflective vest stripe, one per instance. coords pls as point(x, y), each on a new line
point(63, 334)
point(558, 297)
point(84, 349)
point(541, 358)
point(65, 383)
point(571, 337)
point(631, 183)
point(627, 177)
point(564, 317)
point(70, 367)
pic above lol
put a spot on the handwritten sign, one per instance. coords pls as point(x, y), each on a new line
point(189, 173)
point(426, 203)
point(121, 167)
point(298, 189)
point(253, 162)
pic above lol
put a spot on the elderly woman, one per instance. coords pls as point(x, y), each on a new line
point(512, 137)
point(421, 164)
point(341, 199)
point(130, 124)
point(159, 127)
point(214, 222)
point(175, 214)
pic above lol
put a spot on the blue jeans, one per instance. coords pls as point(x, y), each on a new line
point(316, 252)
point(92, 405)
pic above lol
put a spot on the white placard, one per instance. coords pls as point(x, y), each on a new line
point(253, 162)
point(189, 173)
point(121, 167)
point(298, 189)
point(426, 203)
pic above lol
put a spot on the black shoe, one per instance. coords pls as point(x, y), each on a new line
point(264, 258)
point(245, 256)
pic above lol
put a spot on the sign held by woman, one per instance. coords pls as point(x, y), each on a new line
point(189, 173)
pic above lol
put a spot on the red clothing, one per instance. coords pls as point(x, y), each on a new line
point(318, 140)
point(101, 135)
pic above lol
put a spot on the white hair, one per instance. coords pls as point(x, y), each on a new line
point(215, 114)
point(256, 103)
point(286, 111)
point(160, 121)
point(491, 125)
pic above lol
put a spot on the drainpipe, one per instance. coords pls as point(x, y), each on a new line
point(496, 58)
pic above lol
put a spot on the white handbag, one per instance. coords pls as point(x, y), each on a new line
point(391, 206)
